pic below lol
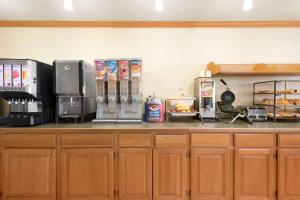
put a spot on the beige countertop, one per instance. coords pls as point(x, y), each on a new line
point(194, 126)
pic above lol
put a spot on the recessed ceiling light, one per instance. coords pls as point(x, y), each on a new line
point(248, 5)
point(159, 5)
point(68, 5)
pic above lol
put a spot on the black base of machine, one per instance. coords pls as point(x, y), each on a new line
point(75, 118)
point(22, 119)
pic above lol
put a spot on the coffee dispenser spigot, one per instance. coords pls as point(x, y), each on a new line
point(17, 101)
point(24, 101)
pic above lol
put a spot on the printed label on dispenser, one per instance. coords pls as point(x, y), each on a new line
point(123, 70)
point(7, 76)
point(136, 68)
point(26, 76)
point(112, 70)
point(207, 89)
point(16, 74)
point(1, 75)
point(100, 69)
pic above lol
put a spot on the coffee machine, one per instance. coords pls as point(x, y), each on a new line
point(119, 97)
point(75, 90)
point(26, 87)
point(204, 90)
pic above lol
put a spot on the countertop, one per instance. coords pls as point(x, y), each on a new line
point(194, 125)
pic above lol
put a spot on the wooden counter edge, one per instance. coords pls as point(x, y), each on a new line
point(152, 130)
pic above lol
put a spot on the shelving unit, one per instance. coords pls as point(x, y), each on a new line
point(281, 97)
point(260, 69)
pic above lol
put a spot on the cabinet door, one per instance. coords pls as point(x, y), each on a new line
point(254, 174)
point(135, 174)
point(29, 174)
point(169, 174)
point(210, 172)
point(289, 174)
point(87, 174)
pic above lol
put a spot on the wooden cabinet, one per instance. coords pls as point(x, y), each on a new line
point(135, 173)
point(87, 174)
point(93, 164)
point(170, 167)
point(29, 165)
point(254, 174)
point(29, 174)
point(289, 167)
point(254, 168)
point(169, 174)
point(211, 167)
point(289, 174)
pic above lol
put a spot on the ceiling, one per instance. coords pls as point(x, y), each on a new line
point(142, 10)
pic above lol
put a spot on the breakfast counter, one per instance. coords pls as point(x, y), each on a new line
point(194, 125)
point(151, 161)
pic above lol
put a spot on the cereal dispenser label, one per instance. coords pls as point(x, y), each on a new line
point(112, 70)
point(100, 70)
point(16, 74)
point(136, 68)
point(1, 75)
point(26, 76)
point(123, 70)
point(7, 76)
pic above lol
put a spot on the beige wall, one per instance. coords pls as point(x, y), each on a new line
point(172, 57)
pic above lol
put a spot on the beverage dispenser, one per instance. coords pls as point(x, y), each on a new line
point(107, 95)
point(26, 87)
point(75, 90)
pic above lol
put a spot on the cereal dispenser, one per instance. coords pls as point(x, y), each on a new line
point(119, 97)
point(123, 72)
point(107, 96)
point(130, 90)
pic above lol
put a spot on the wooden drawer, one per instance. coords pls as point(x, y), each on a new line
point(135, 140)
point(254, 140)
point(29, 140)
point(289, 140)
point(211, 140)
point(170, 141)
point(87, 140)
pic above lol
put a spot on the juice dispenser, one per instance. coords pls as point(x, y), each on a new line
point(107, 96)
point(26, 92)
point(130, 90)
